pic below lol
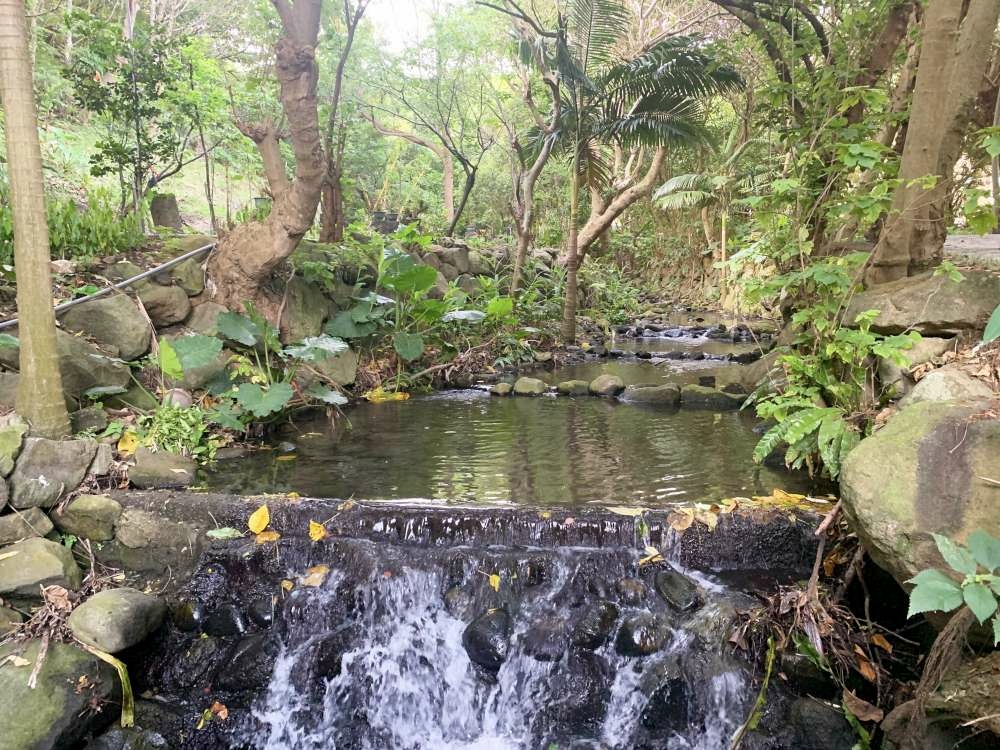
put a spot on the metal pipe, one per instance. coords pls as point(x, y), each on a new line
point(122, 284)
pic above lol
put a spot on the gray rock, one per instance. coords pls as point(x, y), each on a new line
point(103, 458)
point(668, 394)
point(89, 517)
point(159, 469)
point(479, 265)
point(35, 563)
point(632, 591)
point(449, 271)
point(341, 368)
point(47, 469)
point(677, 590)
point(204, 318)
point(55, 714)
point(594, 626)
point(305, 311)
point(469, 284)
point(89, 419)
point(23, 524)
point(113, 321)
point(177, 397)
point(189, 275)
point(457, 257)
point(140, 529)
point(164, 211)
point(818, 726)
point(502, 389)
point(122, 270)
point(11, 438)
point(115, 619)
point(710, 398)
point(946, 384)
point(898, 378)
point(932, 305)
point(165, 305)
point(440, 287)
point(543, 357)
point(766, 371)
point(529, 387)
point(546, 639)
point(643, 634)
point(921, 474)
point(10, 619)
point(607, 385)
point(574, 388)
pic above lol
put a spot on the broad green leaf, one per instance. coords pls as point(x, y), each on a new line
point(955, 555)
point(409, 346)
point(980, 600)
point(500, 307)
point(262, 403)
point(415, 280)
point(196, 351)
point(225, 532)
point(169, 362)
point(992, 331)
point(238, 328)
point(320, 392)
point(985, 548)
point(315, 348)
point(344, 326)
point(996, 630)
point(9, 342)
point(469, 316)
point(104, 390)
point(933, 592)
point(225, 416)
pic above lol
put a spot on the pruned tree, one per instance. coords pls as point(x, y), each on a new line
point(40, 395)
point(247, 256)
point(954, 56)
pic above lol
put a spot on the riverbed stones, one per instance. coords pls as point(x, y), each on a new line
point(606, 385)
point(643, 634)
point(83, 366)
point(668, 394)
point(165, 305)
point(525, 386)
point(546, 639)
point(23, 524)
point(58, 711)
point(705, 397)
point(204, 318)
point(487, 639)
point(502, 389)
point(27, 565)
point(631, 591)
point(113, 321)
point(573, 388)
point(47, 469)
point(92, 419)
point(142, 529)
point(677, 590)
point(11, 439)
point(160, 470)
point(594, 626)
point(115, 619)
point(89, 517)
point(932, 305)
point(946, 384)
point(898, 377)
point(924, 473)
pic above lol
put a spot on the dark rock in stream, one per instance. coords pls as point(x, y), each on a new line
point(250, 664)
point(632, 591)
point(677, 590)
point(643, 634)
point(486, 639)
point(226, 621)
point(594, 626)
point(819, 726)
point(546, 639)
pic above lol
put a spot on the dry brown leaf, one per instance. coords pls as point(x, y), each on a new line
point(862, 709)
point(680, 520)
point(879, 640)
point(315, 576)
point(220, 710)
point(267, 536)
point(707, 517)
point(866, 669)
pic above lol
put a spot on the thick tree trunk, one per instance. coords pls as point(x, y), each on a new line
point(572, 258)
point(520, 258)
point(247, 257)
point(953, 60)
point(40, 396)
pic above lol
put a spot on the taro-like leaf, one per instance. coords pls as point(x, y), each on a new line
point(320, 392)
point(262, 403)
point(315, 348)
point(343, 325)
point(226, 416)
point(238, 328)
point(409, 346)
point(415, 280)
point(467, 316)
point(170, 364)
point(196, 351)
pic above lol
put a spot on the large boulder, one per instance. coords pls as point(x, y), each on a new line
point(165, 305)
point(165, 212)
point(57, 712)
point(160, 469)
point(899, 377)
point(89, 517)
point(525, 386)
point(606, 385)
point(668, 394)
point(115, 619)
point(189, 275)
point(306, 308)
point(932, 305)
point(113, 321)
point(27, 565)
point(23, 524)
point(924, 473)
point(11, 438)
point(946, 384)
point(204, 318)
point(48, 469)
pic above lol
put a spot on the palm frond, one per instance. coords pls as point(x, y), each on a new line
point(685, 191)
point(654, 129)
point(595, 26)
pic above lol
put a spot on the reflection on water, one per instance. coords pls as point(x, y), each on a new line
point(468, 446)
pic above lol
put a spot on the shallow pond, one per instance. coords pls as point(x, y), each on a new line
point(469, 446)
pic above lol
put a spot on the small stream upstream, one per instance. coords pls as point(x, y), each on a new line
point(450, 629)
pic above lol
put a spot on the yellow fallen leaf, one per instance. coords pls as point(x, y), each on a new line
point(378, 395)
point(622, 510)
point(317, 531)
point(346, 505)
point(495, 582)
point(287, 585)
point(707, 517)
point(259, 519)
point(293, 495)
point(287, 457)
point(545, 515)
point(681, 519)
point(267, 536)
point(127, 443)
point(315, 576)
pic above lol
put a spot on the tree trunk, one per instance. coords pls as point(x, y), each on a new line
point(995, 170)
point(470, 182)
point(520, 257)
point(40, 395)
point(953, 60)
point(572, 258)
point(448, 185)
point(247, 256)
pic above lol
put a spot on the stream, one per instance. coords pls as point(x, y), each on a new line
point(455, 622)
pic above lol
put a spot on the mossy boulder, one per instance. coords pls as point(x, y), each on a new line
point(165, 305)
point(706, 397)
point(668, 394)
point(502, 389)
point(924, 473)
point(23, 524)
point(204, 318)
point(115, 619)
point(529, 387)
point(606, 385)
point(946, 384)
point(113, 321)
point(27, 565)
point(57, 712)
point(89, 517)
point(160, 470)
point(48, 469)
point(11, 438)
point(306, 308)
point(574, 388)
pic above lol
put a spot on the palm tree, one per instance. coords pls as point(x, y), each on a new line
point(39, 396)
point(612, 107)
